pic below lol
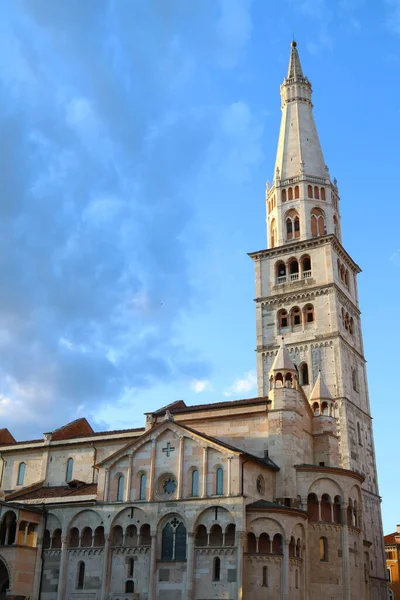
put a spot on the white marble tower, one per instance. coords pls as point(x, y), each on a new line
point(306, 292)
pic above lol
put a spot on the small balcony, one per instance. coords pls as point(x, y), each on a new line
point(293, 277)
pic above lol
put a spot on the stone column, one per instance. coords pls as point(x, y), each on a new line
point(285, 570)
point(62, 577)
point(128, 480)
point(319, 510)
point(190, 567)
point(345, 554)
point(205, 468)
point(180, 467)
point(26, 533)
point(105, 577)
point(240, 538)
point(153, 567)
point(229, 476)
point(38, 561)
point(152, 469)
point(106, 480)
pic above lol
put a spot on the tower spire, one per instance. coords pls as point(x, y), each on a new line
point(294, 69)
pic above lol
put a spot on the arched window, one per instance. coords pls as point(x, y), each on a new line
point(167, 542)
point(323, 197)
point(98, 540)
point(120, 488)
point(117, 536)
point(144, 535)
point(317, 222)
point(309, 191)
point(201, 536)
point(326, 513)
point(131, 537)
point(56, 539)
point(294, 269)
point(283, 320)
point(304, 374)
point(316, 192)
point(297, 192)
point(350, 513)
point(323, 549)
point(273, 233)
point(173, 541)
point(290, 193)
point(280, 272)
point(142, 486)
point(296, 316)
point(283, 196)
point(195, 483)
point(80, 576)
point(306, 266)
point(251, 543)
point(298, 548)
point(216, 568)
point(264, 544)
point(292, 224)
point(219, 487)
point(265, 576)
point(315, 408)
point(359, 438)
point(309, 313)
point(277, 544)
point(129, 587)
point(73, 538)
point(21, 473)
point(70, 468)
point(216, 538)
point(86, 538)
point(351, 325)
point(312, 507)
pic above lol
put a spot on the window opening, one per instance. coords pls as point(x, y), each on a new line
point(21, 473)
point(217, 569)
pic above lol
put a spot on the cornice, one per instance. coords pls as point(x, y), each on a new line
point(325, 340)
point(308, 294)
point(331, 470)
point(300, 245)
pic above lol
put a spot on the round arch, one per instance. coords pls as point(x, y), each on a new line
point(225, 517)
point(5, 575)
point(325, 485)
point(124, 518)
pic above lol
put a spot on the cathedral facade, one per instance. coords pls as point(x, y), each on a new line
point(273, 497)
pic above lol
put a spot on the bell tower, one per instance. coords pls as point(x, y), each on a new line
point(306, 292)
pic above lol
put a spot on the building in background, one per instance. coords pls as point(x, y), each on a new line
point(392, 551)
point(268, 497)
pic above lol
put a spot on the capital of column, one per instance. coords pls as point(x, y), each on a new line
point(107, 537)
point(190, 534)
point(153, 534)
point(64, 539)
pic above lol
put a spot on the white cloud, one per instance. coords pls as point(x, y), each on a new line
point(242, 386)
point(200, 385)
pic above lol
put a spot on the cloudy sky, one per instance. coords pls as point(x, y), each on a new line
point(137, 137)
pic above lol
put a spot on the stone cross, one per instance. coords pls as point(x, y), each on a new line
point(168, 449)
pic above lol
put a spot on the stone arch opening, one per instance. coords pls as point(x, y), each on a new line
point(4, 579)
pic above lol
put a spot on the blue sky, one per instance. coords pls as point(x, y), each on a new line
point(137, 138)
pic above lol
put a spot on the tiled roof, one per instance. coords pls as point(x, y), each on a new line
point(53, 492)
point(391, 538)
point(183, 408)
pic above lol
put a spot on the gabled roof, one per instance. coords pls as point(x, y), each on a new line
point(6, 438)
point(180, 407)
point(171, 424)
point(39, 491)
point(71, 430)
point(320, 391)
point(282, 361)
